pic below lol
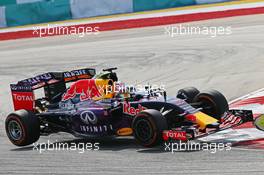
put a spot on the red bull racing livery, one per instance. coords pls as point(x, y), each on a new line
point(87, 104)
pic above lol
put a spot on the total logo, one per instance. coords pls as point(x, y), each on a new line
point(175, 135)
point(128, 109)
point(22, 97)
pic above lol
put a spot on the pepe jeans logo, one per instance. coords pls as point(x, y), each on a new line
point(88, 117)
point(75, 73)
point(38, 79)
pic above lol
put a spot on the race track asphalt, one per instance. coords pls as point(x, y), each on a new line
point(231, 63)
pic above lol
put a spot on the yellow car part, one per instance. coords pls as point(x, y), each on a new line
point(125, 132)
point(203, 119)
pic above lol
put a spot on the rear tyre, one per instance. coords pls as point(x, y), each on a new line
point(213, 103)
point(148, 126)
point(22, 127)
point(188, 94)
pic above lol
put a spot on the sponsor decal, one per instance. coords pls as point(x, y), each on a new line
point(175, 135)
point(66, 105)
point(96, 128)
point(38, 79)
point(15, 87)
point(77, 74)
point(18, 97)
point(128, 109)
point(87, 89)
point(74, 73)
point(124, 131)
point(88, 117)
point(23, 100)
point(90, 120)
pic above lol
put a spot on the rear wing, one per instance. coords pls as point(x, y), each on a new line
point(52, 82)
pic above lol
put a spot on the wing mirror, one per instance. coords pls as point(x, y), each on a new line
point(259, 122)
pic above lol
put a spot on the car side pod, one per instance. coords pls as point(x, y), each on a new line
point(259, 122)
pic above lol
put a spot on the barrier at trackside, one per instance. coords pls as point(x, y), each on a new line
point(2, 17)
point(210, 1)
point(38, 12)
point(8, 2)
point(82, 9)
point(23, 12)
point(157, 18)
point(144, 5)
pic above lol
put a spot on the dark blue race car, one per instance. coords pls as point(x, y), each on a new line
point(87, 104)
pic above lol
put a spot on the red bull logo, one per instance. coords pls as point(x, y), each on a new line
point(131, 110)
point(87, 89)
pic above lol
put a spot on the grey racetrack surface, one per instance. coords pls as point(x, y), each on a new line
point(232, 64)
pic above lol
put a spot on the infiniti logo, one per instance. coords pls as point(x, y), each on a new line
point(88, 117)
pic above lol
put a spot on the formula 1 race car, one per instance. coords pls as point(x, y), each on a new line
point(96, 105)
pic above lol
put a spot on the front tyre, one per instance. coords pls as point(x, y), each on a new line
point(213, 103)
point(22, 127)
point(148, 126)
point(188, 94)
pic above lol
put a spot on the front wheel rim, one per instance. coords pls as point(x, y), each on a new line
point(15, 130)
point(144, 130)
point(208, 106)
